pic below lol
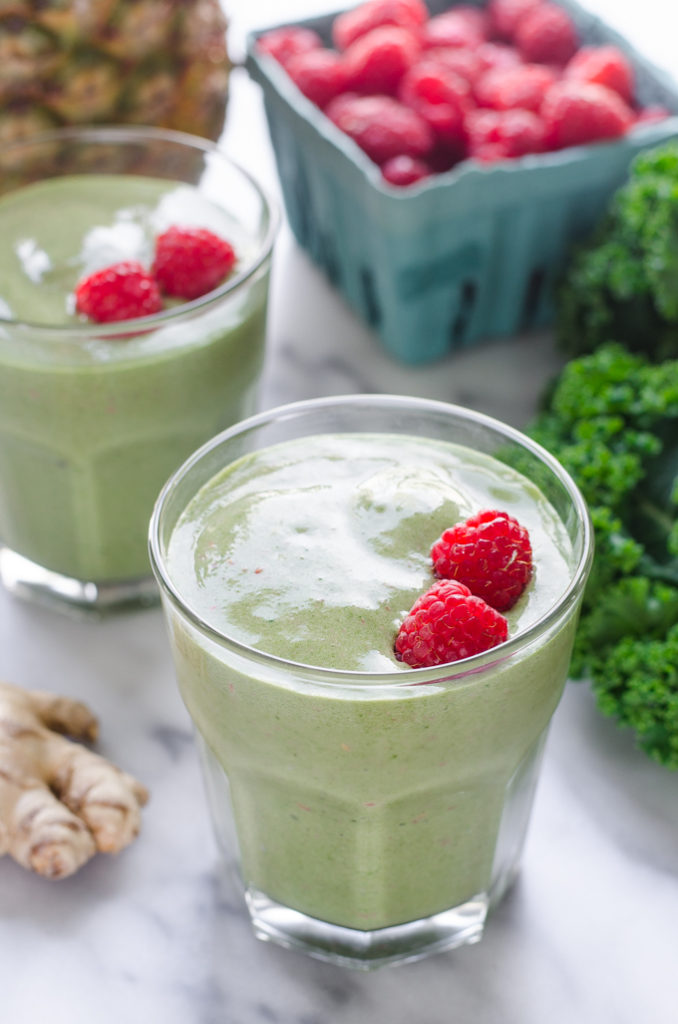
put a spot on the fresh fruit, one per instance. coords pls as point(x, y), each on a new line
point(457, 28)
point(576, 113)
point(446, 624)
point(490, 553)
point(509, 57)
point(405, 170)
point(505, 15)
point(546, 35)
point(376, 62)
point(497, 55)
point(499, 134)
point(284, 43)
point(122, 291)
point(189, 262)
point(506, 88)
point(382, 126)
point(603, 65)
point(350, 25)
point(442, 98)
point(319, 74)
point(465, 63)
point(115, 61)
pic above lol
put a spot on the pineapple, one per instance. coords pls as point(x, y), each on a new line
point(153, 62)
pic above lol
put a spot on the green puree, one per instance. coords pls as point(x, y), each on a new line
point(382, 803)
point(90, 429)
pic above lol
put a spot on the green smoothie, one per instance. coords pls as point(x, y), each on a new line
point(91, 427)
point(372, 795)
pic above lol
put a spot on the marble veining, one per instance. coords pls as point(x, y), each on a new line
point(587, 936)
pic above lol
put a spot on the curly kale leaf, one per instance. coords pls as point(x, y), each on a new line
point(623, 284)
point(612, 420)
point(640, 688)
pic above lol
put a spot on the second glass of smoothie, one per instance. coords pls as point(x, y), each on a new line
point(95, 416)
point(374, 812)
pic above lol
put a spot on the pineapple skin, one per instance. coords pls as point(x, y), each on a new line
point(162, 63)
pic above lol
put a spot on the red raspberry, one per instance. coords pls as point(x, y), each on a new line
point(490, 152)
point(576, 113)
point(510, 133)
point(465, 63)
point(343, 102)
point(446, 624)
point(603, 65)
point(382, 126)
point(284, 43)
point(439, 96)
point(490, 553)
point(190, 262)
point(376, 62)
point(505, 15)
point(319, 74)
point(523, 86)
point(496, 55)
point(454, 28)
point(350, 25)
point(122, 291)
point(547, 35)
point(405, 170)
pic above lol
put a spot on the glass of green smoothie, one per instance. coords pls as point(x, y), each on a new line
point(374, 813)
point(95, 416)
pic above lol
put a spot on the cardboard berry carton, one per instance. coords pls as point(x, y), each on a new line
point(464, 254)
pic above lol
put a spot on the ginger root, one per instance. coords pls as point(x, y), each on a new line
point(60, 803)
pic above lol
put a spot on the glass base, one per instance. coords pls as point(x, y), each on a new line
point(32, 582)
point(366, 950)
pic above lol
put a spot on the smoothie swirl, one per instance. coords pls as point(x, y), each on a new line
point(315, 550)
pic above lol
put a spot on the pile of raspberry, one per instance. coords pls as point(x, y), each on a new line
point(419, 94)
point(483, 566)
point(188, 262)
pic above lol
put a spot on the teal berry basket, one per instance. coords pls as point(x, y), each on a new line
point(469, 254)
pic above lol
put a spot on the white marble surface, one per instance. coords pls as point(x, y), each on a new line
point(589, 935)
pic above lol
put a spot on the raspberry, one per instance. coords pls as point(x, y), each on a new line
point(190, 262)
point(345, 101)
point(523, 86)
point(490, 553)
point(440, 97)
point(350, 25)
point(465, 63)
point(376, 62)
point(446, 624)
point(496, 55)
point(381, 126)
point(405, 170)
point(490, 152)
point(284, 43)
point(122, 291)
point(319, 74)
point(546, 35)
point(603, 65)
point(510, 133)
point(454, 28)
point(576, 113)
point(505, 15)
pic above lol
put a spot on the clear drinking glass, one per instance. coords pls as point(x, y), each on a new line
point(94, 417)
point(401, 848)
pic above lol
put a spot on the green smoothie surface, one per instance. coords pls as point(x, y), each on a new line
point(55, 232)
point(314, 550)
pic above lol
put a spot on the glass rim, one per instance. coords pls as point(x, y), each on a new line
point(137, 134)
point(346, 678)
